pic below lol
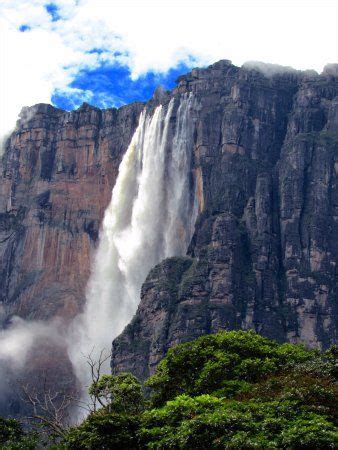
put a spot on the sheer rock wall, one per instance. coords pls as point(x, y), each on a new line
point(264, 252)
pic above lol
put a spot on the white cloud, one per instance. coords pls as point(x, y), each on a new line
point(19, 338)
point(152, 35)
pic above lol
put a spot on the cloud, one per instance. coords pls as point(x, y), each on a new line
point(32, 353)
point(20, 336)
point(112, 85)
point(48, 47)
point(269, 70)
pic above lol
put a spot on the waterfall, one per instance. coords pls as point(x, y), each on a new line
point(151, 216)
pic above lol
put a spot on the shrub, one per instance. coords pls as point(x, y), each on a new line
point(231, 390)
point(227, 362)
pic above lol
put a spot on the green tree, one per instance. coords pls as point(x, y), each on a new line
point(121, 393)
point(116, 425)
point(104, 430)
point(260, 394)
point(230, 390)
point(13, 437)
point(210, 422)
point(225, 363)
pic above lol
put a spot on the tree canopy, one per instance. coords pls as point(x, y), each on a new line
point(230, 390)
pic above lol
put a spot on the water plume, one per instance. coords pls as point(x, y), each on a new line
point(151, 216)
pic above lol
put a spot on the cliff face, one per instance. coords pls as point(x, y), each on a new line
point(57, 176)
point(264, 252)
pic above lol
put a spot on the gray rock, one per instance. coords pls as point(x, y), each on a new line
point(264, 253)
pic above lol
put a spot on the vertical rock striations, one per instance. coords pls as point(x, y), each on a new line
point(56, 179)
point(151, 216)
point(57, 176)
point(264, 252)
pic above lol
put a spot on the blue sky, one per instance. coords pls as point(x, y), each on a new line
point(111, 52)
point(53, 10)
point(112, 85)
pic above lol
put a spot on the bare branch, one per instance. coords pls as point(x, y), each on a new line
point(96, 368)
point(51, 408)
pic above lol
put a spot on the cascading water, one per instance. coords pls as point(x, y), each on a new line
point(151, 216)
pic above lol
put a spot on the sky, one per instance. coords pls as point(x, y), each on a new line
point(113, 52)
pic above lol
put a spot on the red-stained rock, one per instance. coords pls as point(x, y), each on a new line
point(58, 172)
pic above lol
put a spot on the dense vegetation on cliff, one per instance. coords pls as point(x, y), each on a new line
point(231, 390)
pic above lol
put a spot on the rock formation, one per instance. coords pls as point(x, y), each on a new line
point(57, 176)
point(56, 179)
point(264, 252)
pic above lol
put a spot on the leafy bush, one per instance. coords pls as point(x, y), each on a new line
point(104, 430)
point(226, 363)
point(231, 390)
point(121, 393)
point(12, 436)
point(210, 422)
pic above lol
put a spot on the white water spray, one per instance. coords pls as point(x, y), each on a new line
point(151, 216)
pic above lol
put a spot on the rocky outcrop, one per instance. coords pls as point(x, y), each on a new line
point(264, 252)
point(57, 176)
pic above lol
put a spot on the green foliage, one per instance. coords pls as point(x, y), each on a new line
point(10, 430)
point(228, 362)
point(121, 393)
point(331, 356)
point(116, 424)
point(231, 390)
point(13, 437)
point(210, 422)
point(309, 432)
point(103, 430)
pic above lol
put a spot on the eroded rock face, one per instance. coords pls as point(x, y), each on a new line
point(264, 252)
point(56, 180)
point(57, 176)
